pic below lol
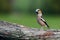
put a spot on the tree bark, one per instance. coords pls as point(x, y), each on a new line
point(13, 31)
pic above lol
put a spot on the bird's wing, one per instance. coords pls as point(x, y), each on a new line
point(45, 22)
point(42, 19)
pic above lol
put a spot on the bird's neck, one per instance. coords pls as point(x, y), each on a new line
point(40, 14)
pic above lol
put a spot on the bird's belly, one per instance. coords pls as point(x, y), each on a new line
point(41, 22)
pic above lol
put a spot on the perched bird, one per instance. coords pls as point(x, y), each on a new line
point(40, 19)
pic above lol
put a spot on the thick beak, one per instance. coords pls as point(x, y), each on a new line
point(36, 12)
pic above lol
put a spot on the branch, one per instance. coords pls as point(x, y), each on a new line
point(15, 31)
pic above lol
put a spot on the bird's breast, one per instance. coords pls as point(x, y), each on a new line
point(40, 22)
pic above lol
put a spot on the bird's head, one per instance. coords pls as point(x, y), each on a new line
point(38, 11)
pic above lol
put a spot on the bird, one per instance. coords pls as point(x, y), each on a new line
point(41, 20)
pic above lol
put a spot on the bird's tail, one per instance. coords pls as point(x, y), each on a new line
point(47, 25)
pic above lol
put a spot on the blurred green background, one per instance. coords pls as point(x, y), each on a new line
point(23, 12)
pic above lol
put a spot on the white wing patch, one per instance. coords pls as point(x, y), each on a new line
point(42, 19)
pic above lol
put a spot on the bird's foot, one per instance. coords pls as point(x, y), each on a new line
point(41, 29)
